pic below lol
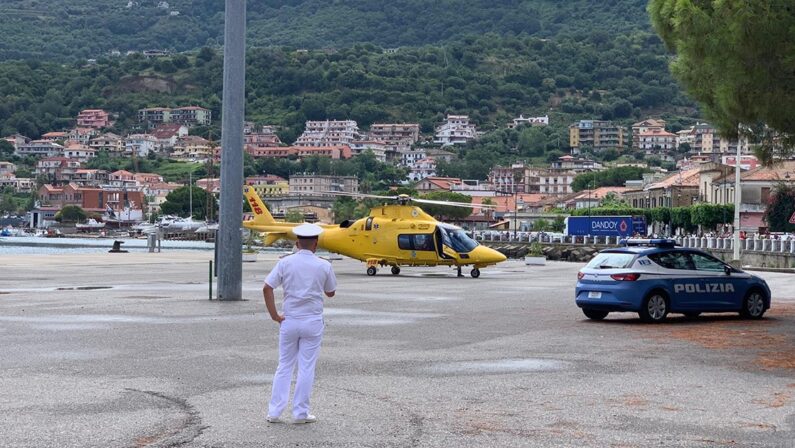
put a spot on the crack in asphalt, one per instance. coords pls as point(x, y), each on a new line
point(416, 421)
point(189, 427)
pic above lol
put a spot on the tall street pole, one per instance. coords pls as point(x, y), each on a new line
point(229, 241)
point(738, 193)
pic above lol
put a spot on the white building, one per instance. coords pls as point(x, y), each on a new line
point(39, 148)
point(656, 140)
point(456, 131)
point(377, 147)
point(140, 144)
point(422, 168)
point(329, 133)
point(109, 142)
point(79, 152)
point(532, 121)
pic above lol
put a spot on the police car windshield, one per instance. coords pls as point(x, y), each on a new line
point(611, 260)
point(458, 240)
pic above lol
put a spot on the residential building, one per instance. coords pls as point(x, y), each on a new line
point(140, 144)
point(333, 152)
point(57, 169)
point(436, 183)
point(509, 179)
point(595, 134)
point(82, 135)
point(269, 185)
point(757, 186)
point(676, 190)
point(317, 185)
point(193, 115)
point(648, 125)
point(457, 130)
point(16, 140)
point(266, 138)
point(90, 177)
point(422, 168)
point(408, 156)
point(148, 178)
point(7, 169)
point(190, 115)
point(191, 148)
point(592, 198)
point(55, 136)
point(156, 194)
point(328, 133)
point(656, 141)
point(39, 148)
point(167, 134)
point(125, 203)
point(93, 118)
point(378, 148)
point(576, 164)
point(747, 162)
point(705, 139)
point(395, 134)
point(440, 154)
point(108, 142)
point(123, 179)
point(551, 182)
point(79, 152)
point(211, 185)
point(531, 121)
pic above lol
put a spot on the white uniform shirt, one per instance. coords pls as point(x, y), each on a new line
point(304, 278)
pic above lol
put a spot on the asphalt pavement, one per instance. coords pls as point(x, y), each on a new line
point(126, 350)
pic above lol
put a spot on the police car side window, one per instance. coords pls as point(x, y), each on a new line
point(705, 263)
point(672, 260)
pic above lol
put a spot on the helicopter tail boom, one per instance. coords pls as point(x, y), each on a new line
point(261, 214)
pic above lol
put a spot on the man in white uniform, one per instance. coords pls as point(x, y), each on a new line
point(305, 278)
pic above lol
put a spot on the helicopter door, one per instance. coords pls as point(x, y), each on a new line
point(443, 244)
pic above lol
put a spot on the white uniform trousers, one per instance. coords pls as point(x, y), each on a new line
point(299, 341)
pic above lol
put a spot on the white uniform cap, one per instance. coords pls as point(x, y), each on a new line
point(307, 231)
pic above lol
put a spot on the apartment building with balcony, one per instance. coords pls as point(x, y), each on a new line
point(93, 118)
point(656, 141)
point(457, 130)
point(596, 134)
point(316, 185)
point(328, 133)
point(39, 148)
point(650, 124)
point(395, 134)
point(108, 142)
point(189, 115)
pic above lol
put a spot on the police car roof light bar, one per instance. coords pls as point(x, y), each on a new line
point(656, 242)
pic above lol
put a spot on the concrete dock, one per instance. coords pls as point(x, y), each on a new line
point(107, 350)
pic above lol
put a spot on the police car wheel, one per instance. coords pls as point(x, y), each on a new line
point(654, 307)
point(395, 270)
point(371, 271)
point(753, 305)
point(594, 314)
point(475, 273)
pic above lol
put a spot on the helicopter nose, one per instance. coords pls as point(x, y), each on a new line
point(487, 255)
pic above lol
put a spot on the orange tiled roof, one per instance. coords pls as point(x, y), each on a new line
point(688, 178)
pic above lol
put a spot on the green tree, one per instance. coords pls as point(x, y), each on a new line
point(781, 208)
point(178, 203)
point(735, 58)
point(294, 215)
point(71, 213)
point(541, 225)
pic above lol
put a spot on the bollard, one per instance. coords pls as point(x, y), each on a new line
point(211, 279)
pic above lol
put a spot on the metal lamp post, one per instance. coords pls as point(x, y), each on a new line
point(229, 240)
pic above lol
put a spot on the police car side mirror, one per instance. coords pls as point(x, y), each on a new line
point(727, 269)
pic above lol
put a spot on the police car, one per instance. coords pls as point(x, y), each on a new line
point(653, 277)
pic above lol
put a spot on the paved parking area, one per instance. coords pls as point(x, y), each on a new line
point(126, 350)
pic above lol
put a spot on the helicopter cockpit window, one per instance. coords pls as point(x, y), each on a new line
point(368, 225)
point(458, 240)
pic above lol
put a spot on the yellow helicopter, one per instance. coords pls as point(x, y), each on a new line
point(393, 235)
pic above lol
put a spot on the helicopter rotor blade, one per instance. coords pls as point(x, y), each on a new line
point(359, 195)
point(451, 204)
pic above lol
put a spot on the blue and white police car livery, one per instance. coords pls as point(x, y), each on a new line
point(654, 278)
